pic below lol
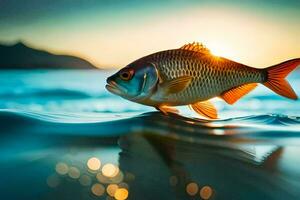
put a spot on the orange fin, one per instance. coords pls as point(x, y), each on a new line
point(205, 108)
point(276, 78)
point(176, 85)
point(234, 94)
point(195, 46)
point(167, 109)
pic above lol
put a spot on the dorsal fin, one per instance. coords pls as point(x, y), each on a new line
point(234, 94)
point(196, 46)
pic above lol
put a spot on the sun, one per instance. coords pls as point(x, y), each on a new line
point(222, 51)
point(218, 51)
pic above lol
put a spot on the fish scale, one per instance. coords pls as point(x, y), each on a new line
point(210, 75)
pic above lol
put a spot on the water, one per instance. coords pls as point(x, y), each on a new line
point(53, 122)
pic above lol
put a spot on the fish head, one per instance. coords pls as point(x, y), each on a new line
point(135, 82)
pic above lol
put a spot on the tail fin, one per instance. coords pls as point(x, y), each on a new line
point(276, 78)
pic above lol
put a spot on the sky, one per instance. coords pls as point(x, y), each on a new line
point(113, 33)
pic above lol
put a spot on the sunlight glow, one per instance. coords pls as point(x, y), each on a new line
point(206, 192)
point(110, 170)
point(61, 168)
point(94, 163)
point(74, 172)
point(110, 180)
point(221, 51)
point(111, 189)
point(192, 188)
point(118, 45)
point(98, 189)
point(121, 194)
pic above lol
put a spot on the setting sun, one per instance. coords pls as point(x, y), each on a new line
point(222, 51)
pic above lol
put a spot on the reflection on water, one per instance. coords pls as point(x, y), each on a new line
point(151, 156)
point(70, 139)
point(176, 169)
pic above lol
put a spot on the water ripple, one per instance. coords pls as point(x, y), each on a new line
point(109, 124)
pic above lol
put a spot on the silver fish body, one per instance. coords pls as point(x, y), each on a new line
point(211, 75)
point(191, 76)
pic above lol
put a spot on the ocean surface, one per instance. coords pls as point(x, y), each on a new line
point(63, 136)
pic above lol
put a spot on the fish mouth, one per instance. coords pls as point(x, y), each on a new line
point(113, 88)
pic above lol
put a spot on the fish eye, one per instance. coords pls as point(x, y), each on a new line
point(126, 75)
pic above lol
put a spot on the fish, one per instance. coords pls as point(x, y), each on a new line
point(192, 76)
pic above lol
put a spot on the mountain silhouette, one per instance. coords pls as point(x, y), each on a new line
point(21, 56)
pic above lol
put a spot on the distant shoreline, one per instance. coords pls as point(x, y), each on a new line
point(20, 56)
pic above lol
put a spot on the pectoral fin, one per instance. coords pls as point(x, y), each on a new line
point(234, 94)
point(176, 85)
point(205, 108)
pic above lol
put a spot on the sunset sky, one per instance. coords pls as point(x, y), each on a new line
point(113, 33)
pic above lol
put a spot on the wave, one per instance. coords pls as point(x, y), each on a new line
point(202, 151)
point(111, 125)
point(51, 93)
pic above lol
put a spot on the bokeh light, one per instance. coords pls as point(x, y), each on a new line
point(192, 188)
point(85, 180)
point(94, 164)
point(111, 189)
point(118, 178)
point(53, 181)
point(123, 185)
point(110, 170)
point(98, 189)
point(206, 192)
point(103, 179)
point(61, 168)
point(121, 194)
point(74, 172)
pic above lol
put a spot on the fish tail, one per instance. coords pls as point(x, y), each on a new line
point(275, 78)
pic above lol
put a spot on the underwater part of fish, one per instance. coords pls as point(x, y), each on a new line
point(191, 76)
